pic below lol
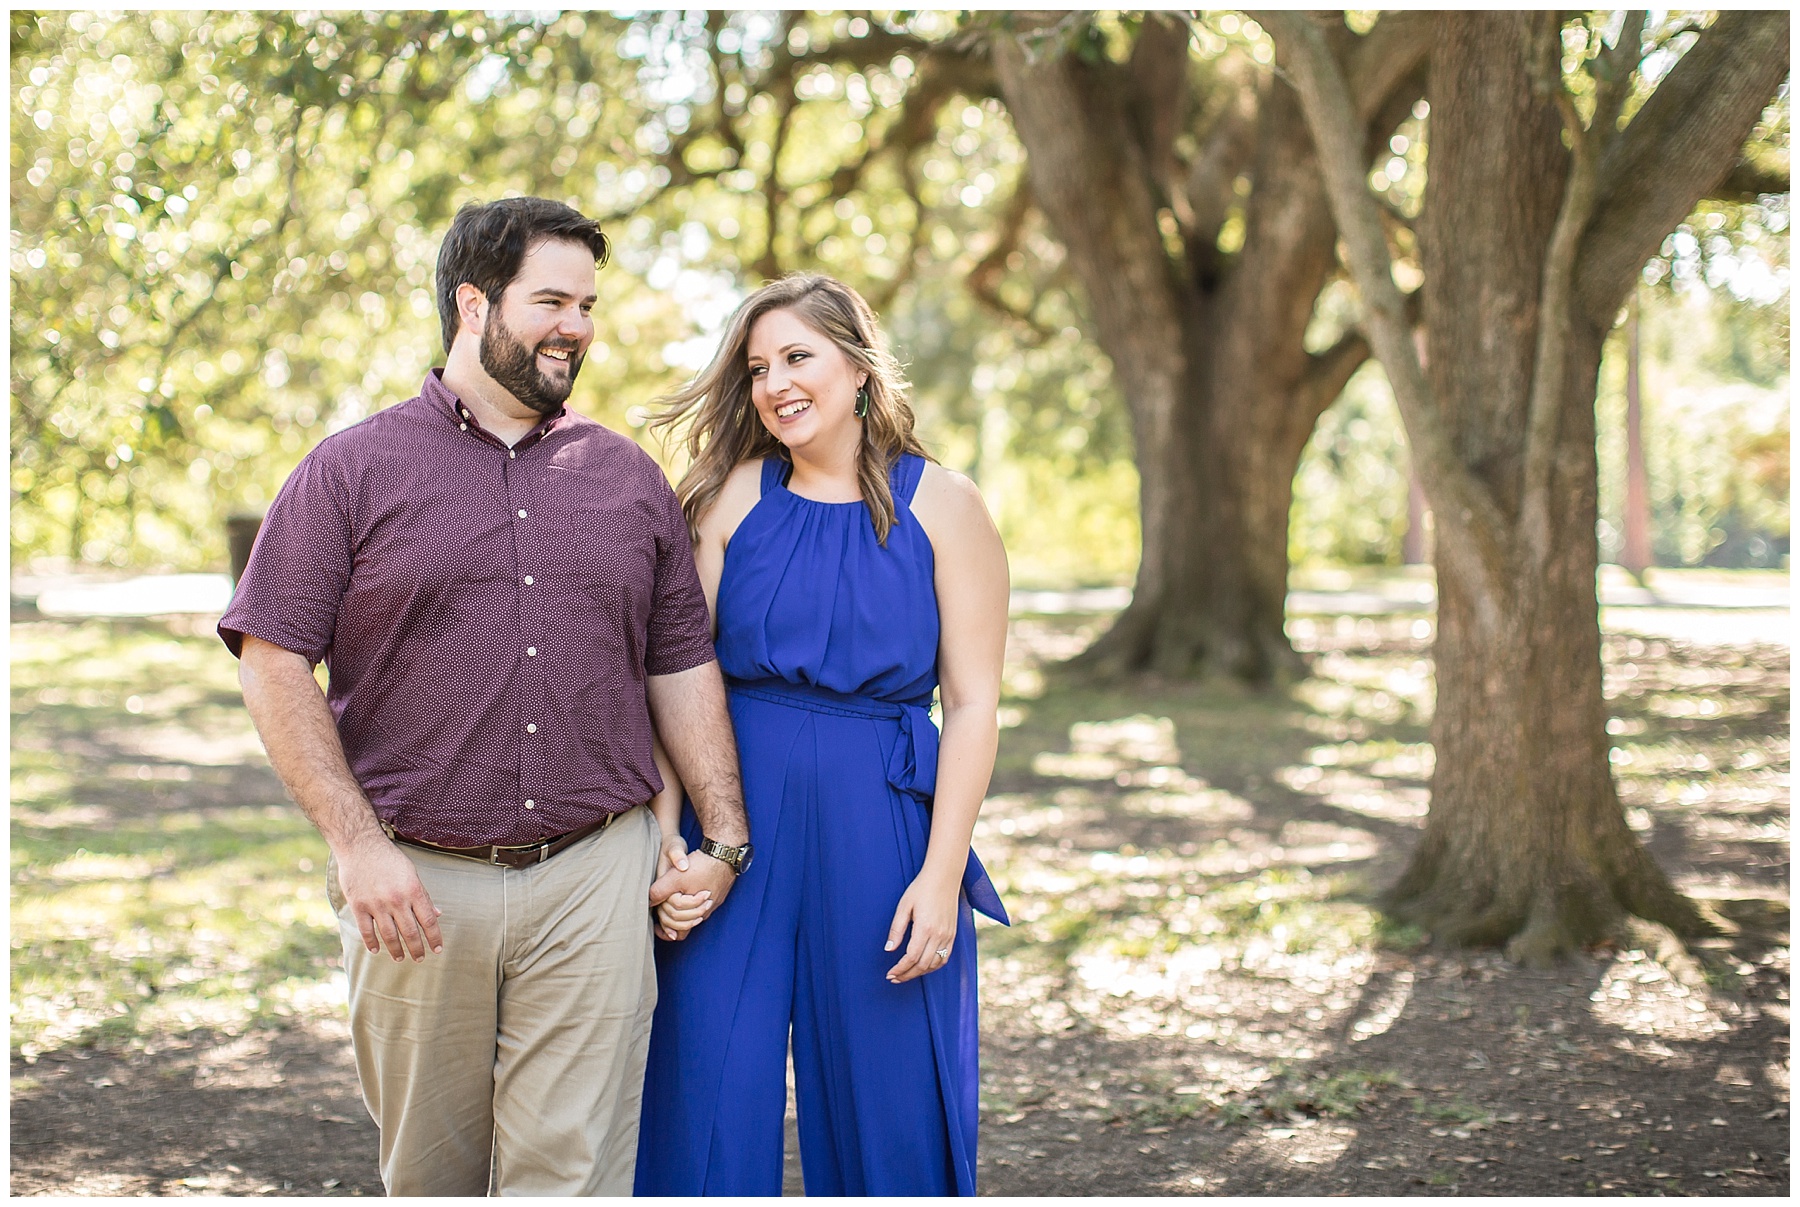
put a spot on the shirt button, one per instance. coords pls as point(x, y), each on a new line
point(531, 729)
point(528, 580)
point(463, 427)
point(531, 651)
point(531, 804)
point(521, 513)
point(510, 454)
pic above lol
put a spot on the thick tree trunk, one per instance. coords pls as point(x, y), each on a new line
point(1529, 249)
point(1526, 843)
point(1210, 357)
point(1212, 600)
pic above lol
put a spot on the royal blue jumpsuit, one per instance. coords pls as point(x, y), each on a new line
point(828, 641)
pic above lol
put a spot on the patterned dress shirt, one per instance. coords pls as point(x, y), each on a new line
point(487, 614)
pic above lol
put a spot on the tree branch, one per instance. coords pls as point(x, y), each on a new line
point(1556, 308)
point(1612, 72)
point(882, 294)
point(938, 81)
point(1157, 93)
point(1747, 181)
point(1465, 509)
point(984, 278)
point(1387, 59)
point(1210, 191)
point(769, 263)
point(1328, 372)
point(1678, 148)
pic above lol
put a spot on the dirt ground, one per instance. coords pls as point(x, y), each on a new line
point(1196, 996)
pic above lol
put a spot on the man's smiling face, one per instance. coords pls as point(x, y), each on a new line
point(534, 340)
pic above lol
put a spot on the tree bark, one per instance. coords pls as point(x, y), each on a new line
point(1528, 248)
point(1635, 553)
point(1207, 348)
point(1413, 546)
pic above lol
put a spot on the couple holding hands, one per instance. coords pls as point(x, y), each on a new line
point(558, 689)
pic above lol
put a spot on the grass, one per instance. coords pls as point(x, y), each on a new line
point(159, 882)
point(1458, 1111)
point(1392, 935)
point(1338, 1094)
point(1286, 1095)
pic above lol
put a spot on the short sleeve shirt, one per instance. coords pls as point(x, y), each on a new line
point(487, 615)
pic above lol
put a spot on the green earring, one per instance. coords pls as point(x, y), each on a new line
point(862, 400)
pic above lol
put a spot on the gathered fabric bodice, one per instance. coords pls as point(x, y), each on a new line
point(809, 597)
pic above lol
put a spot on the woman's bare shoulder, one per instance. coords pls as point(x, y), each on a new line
point(950, 509)
point(948, 498)
point(741, 492)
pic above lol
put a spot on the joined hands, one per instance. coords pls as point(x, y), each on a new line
point(687, 888)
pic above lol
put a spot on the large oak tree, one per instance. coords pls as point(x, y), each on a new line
point(1140, 161)
point(1551, 184)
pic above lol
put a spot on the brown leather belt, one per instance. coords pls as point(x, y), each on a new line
point(509, 857)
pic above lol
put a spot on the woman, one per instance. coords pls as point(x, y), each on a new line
point(848, 576)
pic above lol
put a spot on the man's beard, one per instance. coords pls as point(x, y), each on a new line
point(509, 362)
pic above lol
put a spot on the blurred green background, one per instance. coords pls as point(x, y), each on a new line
point(224, 228)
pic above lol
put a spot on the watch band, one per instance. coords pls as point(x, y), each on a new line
point(735, 858)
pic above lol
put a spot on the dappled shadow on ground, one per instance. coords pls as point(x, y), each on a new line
point(268, 1112)
point(1197, 997)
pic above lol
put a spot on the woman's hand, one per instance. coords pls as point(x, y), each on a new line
point(680, 913)
point(929, 905)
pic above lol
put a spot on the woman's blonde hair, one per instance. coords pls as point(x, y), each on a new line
point(724, 431)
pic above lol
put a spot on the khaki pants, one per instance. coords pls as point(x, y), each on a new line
point(518, 1054)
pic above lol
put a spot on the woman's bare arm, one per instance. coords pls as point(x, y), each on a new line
point(972, 593)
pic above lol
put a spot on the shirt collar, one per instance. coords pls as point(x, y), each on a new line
point(445, 401)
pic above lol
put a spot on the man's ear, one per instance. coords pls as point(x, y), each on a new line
point(471, 308)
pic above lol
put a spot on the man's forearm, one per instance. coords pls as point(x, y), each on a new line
point(297, 730)
point(689, 711)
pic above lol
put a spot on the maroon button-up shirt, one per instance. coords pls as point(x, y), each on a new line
point(488, 615)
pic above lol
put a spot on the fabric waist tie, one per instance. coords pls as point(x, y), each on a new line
point(911, 769)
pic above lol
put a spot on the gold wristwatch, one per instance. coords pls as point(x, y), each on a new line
point(735, 858)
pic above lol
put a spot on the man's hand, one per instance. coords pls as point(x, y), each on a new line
point(378, 881)
point(390, 906)
point(704, 874)
point(676, 912)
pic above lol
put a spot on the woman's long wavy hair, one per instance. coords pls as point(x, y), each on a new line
point(723, 429)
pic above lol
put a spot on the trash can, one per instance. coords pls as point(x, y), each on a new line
point(240, 538)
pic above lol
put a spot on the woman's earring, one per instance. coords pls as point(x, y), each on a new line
point(862, 400)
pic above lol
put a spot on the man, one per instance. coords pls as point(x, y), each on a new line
point(505, 596)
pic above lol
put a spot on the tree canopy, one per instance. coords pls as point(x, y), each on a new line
point(224, 226)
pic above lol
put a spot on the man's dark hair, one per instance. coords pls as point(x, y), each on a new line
point(487, 242)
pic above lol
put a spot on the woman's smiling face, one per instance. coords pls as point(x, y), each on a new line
point(801, 384)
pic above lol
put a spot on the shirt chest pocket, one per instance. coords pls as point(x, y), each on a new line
point(601, 570)
point(597, 628)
